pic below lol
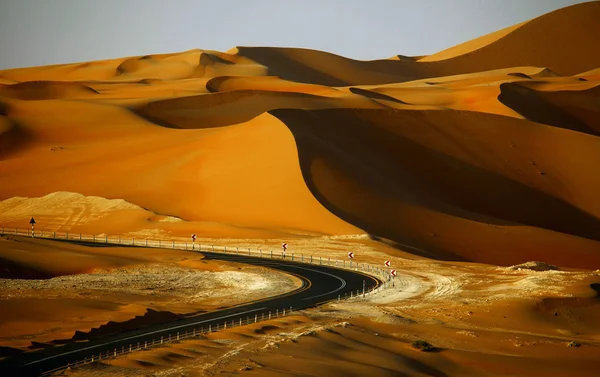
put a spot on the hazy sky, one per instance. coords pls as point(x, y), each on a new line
point(40, 32)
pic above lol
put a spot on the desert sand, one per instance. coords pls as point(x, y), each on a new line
point(455, 166)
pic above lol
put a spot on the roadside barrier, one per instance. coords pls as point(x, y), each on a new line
point(381, 273)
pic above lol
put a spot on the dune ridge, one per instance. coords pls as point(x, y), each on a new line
point(485, 152)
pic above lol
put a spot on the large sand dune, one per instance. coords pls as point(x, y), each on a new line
point(484, 152)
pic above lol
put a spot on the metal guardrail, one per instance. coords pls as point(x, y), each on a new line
point(381, 273)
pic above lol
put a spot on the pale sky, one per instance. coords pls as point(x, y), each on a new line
point(41, 32)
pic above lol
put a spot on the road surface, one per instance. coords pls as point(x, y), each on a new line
point(320, 283)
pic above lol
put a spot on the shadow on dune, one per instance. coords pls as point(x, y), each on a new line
point(323, 68)
point(13, 270)
point(360, 167)
point(45, 90)
point(14, 137)
point(375, 95)
point(223, 109)
point(538, 107)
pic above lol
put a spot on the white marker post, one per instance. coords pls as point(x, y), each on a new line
point(32, 222)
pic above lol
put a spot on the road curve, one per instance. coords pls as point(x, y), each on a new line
point(320, 283)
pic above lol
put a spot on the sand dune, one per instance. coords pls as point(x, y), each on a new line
point(484, 152)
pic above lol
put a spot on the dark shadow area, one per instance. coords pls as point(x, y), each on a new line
point(366, 147)
point(219, 109)
point(9, 351)
point(15, 138)
point(519, 74)
point(375, 95)
point(323, 68)
point(13, 270)
point(150, 318)
point(210, 59)
point(533, 106)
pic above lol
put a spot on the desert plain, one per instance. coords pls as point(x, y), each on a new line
point(473, 170)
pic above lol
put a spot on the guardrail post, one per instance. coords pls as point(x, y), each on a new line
point(271, 254)
point(302, 257)
point(53, 234)
point(338, 297)
point(209, 328)
point(240, 321)
point(225, 249)
point(255, 318)
point(225, 326)
point(237, 250)
point(159, 243)
point(146, 243)
point(115, 353)
point(92, 358)
point(42, 233)
point(311, 259)
point(260, 253)
point(320, 262)
point(67, 236)
point(276, 313)
point(138, 346)
point(213, 248)
point(284, 312)
point(173, 244)
point(133, 241)
point(177, 335)
point(269, 315)
point(248, 251)
point(130, 347)
point(119, 240)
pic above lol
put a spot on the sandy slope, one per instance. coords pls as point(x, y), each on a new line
point(485, 152)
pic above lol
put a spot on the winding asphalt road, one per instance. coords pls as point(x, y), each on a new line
point(320, 283)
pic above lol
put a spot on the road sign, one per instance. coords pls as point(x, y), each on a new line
point(387, 263)
point(193, 237)
point(284, 246)
point(393, 272)
point(351, 255)
point(32, 222)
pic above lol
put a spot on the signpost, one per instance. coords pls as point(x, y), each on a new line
point(193, 240)
point(351, 255)
point(387, 263)
point(393, 273)
point(32, 222)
